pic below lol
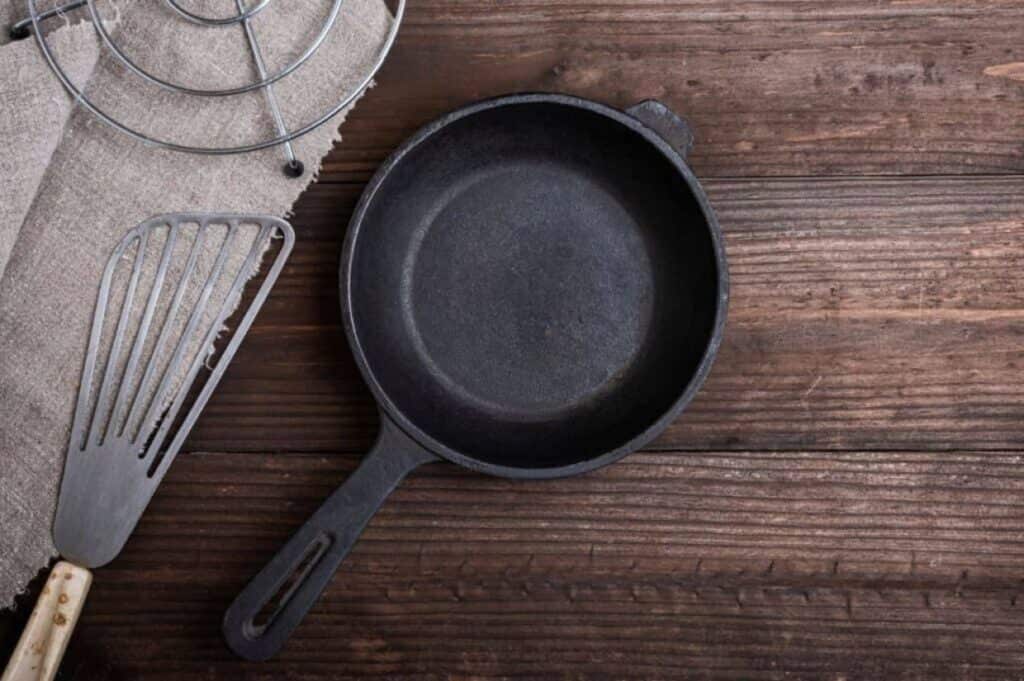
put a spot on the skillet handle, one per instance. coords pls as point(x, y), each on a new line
point(262, 617)
point(662, 120)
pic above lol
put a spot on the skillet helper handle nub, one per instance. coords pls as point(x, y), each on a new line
point(262, 617)
point(49, 628)
point(674, 130)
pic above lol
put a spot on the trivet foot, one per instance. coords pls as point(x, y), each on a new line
point(19, 32)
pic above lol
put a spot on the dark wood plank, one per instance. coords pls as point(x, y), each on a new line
point(727, 565)
point(779, 87)
point(866, 314)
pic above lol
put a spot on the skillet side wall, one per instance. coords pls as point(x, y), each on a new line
point(536, 287)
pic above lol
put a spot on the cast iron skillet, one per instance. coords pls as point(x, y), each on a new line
point(533, 286)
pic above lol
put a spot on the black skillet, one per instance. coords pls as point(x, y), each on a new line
point(533, 287)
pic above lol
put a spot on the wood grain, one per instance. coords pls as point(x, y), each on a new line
point(725, 564)
point(842, 501)
point(876, 313)
point(779, 87)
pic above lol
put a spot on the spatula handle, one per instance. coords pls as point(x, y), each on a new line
point(46, 637)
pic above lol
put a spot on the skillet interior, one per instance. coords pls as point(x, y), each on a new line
point(532, 286)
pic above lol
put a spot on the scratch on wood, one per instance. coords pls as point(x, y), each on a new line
point(844, 132)
point(807, 393)
point(1013, 71)
point(958, 592)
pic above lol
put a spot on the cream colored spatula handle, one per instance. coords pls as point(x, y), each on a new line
point(44, 640)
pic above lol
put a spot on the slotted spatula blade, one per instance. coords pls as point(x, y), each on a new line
point(166, 295)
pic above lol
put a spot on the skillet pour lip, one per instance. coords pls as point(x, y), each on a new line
point(388, 408)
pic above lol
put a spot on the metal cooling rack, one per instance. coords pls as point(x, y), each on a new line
point(285, 134)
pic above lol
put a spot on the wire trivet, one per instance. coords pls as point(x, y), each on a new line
point(285, 134)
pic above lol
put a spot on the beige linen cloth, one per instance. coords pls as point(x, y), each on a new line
point(71, 187)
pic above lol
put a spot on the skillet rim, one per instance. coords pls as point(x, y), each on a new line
point(390, 412)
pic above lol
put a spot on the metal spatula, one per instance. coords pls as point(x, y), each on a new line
point(167, 292)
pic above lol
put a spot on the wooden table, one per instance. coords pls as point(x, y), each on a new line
point(844, 500)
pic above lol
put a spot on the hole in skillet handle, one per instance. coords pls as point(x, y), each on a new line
point(259, 621)
point(256, 626)
point(676, 132)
